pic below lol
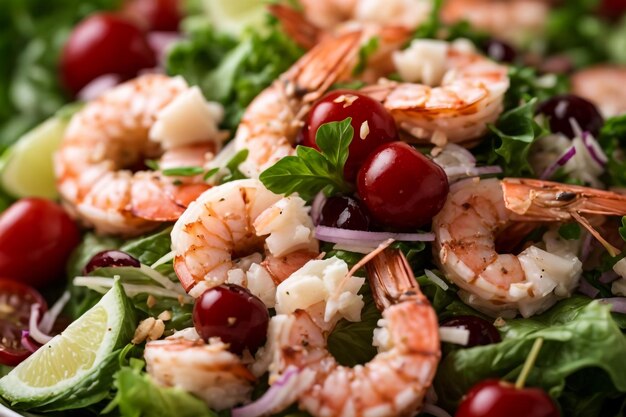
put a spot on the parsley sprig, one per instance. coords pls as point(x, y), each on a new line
point(311, 171)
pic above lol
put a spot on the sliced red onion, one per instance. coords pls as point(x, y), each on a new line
point(608, 277)
point(594, 149)
point(316, 207)
point(587, 246)
point(29, 343)
point(33, 326)
point(160, 42)
point(472, 171)
point(435, 411)
point(95, 88)
point(272, 398)
point(618, 304)
point(365, 239)
point(587, 289)
point(50, 316)
point(459, 153)
point(562, 160)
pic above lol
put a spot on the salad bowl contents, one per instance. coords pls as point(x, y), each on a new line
point(313, 208)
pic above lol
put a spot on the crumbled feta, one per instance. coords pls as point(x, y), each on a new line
point(322, 281)
point(188, 119)
point(289, 226)
point(260, 283)
point(423, 61)
point(409, 13)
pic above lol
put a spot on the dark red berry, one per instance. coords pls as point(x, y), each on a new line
point(499, 50)
point(481, 331)
point(345, 213)
point(401, 187)
point(233, 314)
point(561, 109)
point(110, 258)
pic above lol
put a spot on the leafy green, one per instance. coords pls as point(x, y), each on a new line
point(612, 138)
point(526, 84)
point(150, 248)
point(32, 34)
point(228, 70)
point(311, 171)
point(233, 167)
point(137, 395)
point(578, 336)
point(516, 131)
point(366, 50)
point(570, 231)
point(183, 171)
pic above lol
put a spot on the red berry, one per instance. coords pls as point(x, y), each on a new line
point(233, 314)
point(158, 15)
point(372, 124)
point(493, 398)
point(481, 331)
point(101, 44)
point(345, 213)
point(401, 187)
point(110, 259)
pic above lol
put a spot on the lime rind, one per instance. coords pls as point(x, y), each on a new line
point(54, 378)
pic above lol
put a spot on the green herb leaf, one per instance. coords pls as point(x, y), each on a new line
point(152, 164)
point(233, 167)
point(183, 171)
point(570, 231)
point(517, 131)
point(210, 173)
point(366, 50)
point(310, 171)
point(622, 229)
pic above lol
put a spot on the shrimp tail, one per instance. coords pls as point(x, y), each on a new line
point(296, 25)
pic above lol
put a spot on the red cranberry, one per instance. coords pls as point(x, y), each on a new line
point(233, 314)
point(481, 331)
point(110, 258)
point(372, 124)
point(493, 398)
point(401, 187)
point(560, 109)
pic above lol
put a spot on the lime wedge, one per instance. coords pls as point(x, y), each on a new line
point(74, 368)
point(26, 169)
point(232, 16)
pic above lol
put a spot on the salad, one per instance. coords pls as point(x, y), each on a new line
point(313, 208)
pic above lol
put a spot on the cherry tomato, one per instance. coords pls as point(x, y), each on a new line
point(401, 187)
point(493, 398)
point(159, 15)
point(16, 300)
point(233, 314)
point(36, 239)
point(101, 44)
point(372, 125)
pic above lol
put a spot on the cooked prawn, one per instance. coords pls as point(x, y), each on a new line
point(208, 371)
point(270, 124)
point(236, 220)
point(465, 94)
point(395, 381)
point(111, 136)
point(516, 21)
point(599, 85)
point(505, 284)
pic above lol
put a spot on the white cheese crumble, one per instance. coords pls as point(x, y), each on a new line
point(322, 281)
point(424, 61)
point(289, 226)
point(188, 119)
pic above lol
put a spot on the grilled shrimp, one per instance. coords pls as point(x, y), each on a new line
point(452, 94)
point(208, 371)
point(503, 284)
point(395, 381)
point(150, 117)
point(224, 232)
point(271, 122)
point(599, 85)
point(516, 21)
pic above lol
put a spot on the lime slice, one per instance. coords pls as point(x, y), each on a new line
point(71, 366)
point(232, 16)
point(26, 169)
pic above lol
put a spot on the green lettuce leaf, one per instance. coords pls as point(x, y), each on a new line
point(579, 336)
point(228, 70)
point(612, 138)
point(150, 248)
point(138, 396)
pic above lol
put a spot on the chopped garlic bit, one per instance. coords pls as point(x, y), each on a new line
point(423, 61)
point(188, 119)
point(346, 99)
point(289, 226)
point(365, 130)
point(322, 281)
